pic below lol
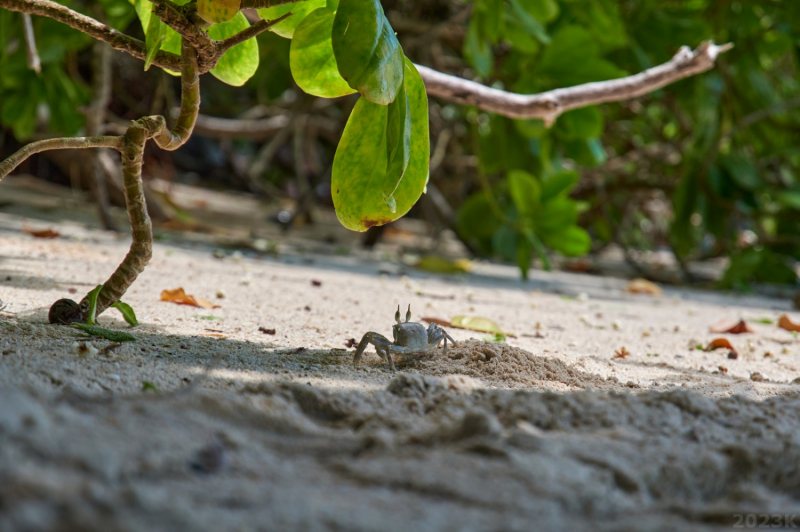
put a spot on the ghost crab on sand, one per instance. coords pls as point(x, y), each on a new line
point(409, 338)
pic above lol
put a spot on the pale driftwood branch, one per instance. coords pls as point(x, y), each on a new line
point(549, 105)
point(93, 28)
point(75, 143)
point(257, 129)
point(34, 63)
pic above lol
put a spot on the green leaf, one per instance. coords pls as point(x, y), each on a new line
point(147, 385)
point(571, 241)
point(789, 198)
point(240, 62)
point(367, 52)
point(127, 313)
point(476, 218)
point(398, 144)
point(92, 296)
point(557, 184)
point(478, 50)
point(108, 334)
point(555, 215)
point(524, 257)
point(311, 57)
point(531, 25)
point(742, 171)
point(361, 161)
point(580, 124)
point(541, 10)
point(525, 192)
point(300, 10)
point(154, 38)
point(573, 58)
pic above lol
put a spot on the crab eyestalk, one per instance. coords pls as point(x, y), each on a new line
point(397, 314)
point(408, 314)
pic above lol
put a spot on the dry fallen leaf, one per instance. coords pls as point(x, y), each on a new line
point(720, 343)
point(732, 327)
point(785, 323)
point(437, 321)
point(351, 342)
point(266, 331)
point(180, 297)
point(643, 286)
point(40, 233)
point(621, 353)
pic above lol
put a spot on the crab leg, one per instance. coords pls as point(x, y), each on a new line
point(382, 347)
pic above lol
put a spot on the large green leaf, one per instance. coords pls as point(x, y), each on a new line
point(311, 57)
point(154, 38)
point(240, 62)
point(555, 215)
point(299, 11)
point(557, 184)
point(476, 218)
point(367, 52)
point(571, 241)
point(361, 162)
point(398, 144)
point(525, 192)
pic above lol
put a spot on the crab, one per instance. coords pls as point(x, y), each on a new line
point(409, 338)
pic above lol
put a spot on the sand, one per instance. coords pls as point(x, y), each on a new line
point(242, 429)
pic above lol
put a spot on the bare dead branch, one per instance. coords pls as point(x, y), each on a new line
point(549, 105)
point(34, 62)
point(91, 27)
point(220, 128)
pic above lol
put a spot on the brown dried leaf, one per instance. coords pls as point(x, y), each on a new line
point(643, 286)
point(732, 327)
point(180, 297)
point(720, 343)
point(437, 321)
point(40, 233)
point(351, 342)
point(621, 353)
point(266, 331)
point(785, 323)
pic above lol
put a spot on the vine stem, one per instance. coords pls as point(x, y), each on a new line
point(132, 150)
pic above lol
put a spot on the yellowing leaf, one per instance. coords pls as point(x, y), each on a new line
point(436, 264)
point(476, 323)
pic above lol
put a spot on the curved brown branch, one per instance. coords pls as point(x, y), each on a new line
point(259, 4)
point(190, 104)
point(549, 105)
point(141, 250)
point(91, 27)
point(75, 143)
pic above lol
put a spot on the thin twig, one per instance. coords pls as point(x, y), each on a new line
point(73, 143)
point(256, 29)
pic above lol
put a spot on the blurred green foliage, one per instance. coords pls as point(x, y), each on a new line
point(720, 149)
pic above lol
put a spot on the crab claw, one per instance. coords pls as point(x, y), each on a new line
point(408, 314)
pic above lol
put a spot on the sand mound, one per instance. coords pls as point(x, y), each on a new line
point(502, 365)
